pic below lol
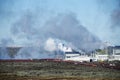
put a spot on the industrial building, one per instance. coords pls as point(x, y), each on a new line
point(76, 56)
point(73, 55)
point(112, 53)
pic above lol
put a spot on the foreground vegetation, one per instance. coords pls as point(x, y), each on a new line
point(55, 70)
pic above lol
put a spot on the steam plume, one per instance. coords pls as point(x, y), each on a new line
point(112, 9)
point(36, 40)
point(50, 45)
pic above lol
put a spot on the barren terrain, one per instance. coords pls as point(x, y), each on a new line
point(57, 70)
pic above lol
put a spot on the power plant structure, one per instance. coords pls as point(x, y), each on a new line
point(66, 53)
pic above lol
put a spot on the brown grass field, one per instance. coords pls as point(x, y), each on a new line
point(57, 70)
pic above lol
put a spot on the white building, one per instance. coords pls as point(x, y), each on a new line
point(113, 53)
point(72, 55)
point(101, 57)
point(116, 57)
point(75, 56)
point(116, 50)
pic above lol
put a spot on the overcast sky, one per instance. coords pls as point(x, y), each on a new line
point(95, 15)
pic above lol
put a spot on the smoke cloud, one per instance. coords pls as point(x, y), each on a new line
point(63, 26)
point(33, 53)
point(115, 22)
point(111, 8)
point(4, 53)
point(36, 40)
point(38, 34)
point(50, 45)
point(67, 27)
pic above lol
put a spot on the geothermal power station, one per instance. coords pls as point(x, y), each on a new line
point(63, 52)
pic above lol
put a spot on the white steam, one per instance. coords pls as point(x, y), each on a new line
point(36, 41)
point(50, 45)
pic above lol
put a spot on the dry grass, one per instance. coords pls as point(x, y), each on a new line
point(50, 78)
point(49, 70)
